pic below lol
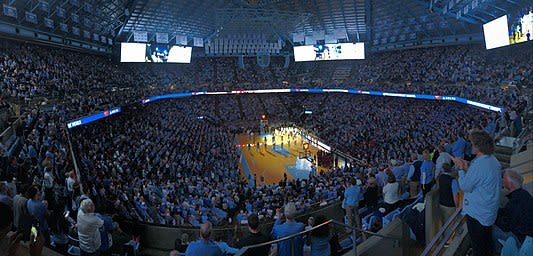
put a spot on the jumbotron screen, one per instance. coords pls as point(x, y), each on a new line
point(344, 51)
point(155, 53)
point(496, 33)
point(499, 33)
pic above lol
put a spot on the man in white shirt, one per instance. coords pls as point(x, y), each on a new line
point(444, 157)
point(88, 233)
point(70, 182)
point(48, 184)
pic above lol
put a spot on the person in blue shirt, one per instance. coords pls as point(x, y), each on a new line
point(481, 183)
point(426, 173)
point(106, 240)
point(38, 210)
point(459, 147)
point(205, 246)
point(319, 238)
point(294, 246)
point(351, 203)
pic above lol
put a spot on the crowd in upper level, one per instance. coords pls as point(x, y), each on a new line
point(150, 163)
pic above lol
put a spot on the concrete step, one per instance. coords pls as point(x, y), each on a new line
point(503, 158)
point(506, 141)
point(503, 150)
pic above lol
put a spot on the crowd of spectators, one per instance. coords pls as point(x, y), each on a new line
point(174, 162)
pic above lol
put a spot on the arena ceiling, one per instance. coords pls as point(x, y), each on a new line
point(376, 22)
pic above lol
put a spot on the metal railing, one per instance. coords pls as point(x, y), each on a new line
point(74, 159)
point(520, 140)
point(451, 227)
point(353, 232)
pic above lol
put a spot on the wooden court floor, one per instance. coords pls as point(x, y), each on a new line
point(267, 163)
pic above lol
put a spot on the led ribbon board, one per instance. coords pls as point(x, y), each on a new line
point(88, 119)
point(334, 90)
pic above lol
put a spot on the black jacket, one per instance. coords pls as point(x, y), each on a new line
point(517, 215)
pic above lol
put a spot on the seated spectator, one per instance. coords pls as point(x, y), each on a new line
point(516, 218)
point(320, 237)
point(204, 246)
point(292, 246)
point(254, 238)
point(181, 244)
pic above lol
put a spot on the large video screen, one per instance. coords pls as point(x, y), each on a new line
point(132, 52)
point(344, 51)
point(496, 33)
point(521, 29)
point(504, 31)
point(155, 53)
point(180, 54)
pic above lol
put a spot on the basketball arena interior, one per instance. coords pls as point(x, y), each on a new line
point(266, 127)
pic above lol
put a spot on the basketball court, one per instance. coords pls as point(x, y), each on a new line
point(269, 157)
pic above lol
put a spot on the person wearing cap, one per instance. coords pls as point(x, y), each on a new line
point(292, 246)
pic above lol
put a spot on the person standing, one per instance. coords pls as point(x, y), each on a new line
point(20, 208)
point(391, 193)
point(254, 238)
point(426, 173)
point(88, 229)
point(292, 246)
point(48, 185)
point(414, 176)
point(204, 246)
point(351, 203)
point(482, 184)
point(38, 210)
point(320, 237)
point(448, 192)
point(444, 157)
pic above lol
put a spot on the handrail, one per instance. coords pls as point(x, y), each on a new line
point(74, 160)
point(364, 231)
point(433, 248)
point(245, 248)
point(519, 142)
point(331, 221)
